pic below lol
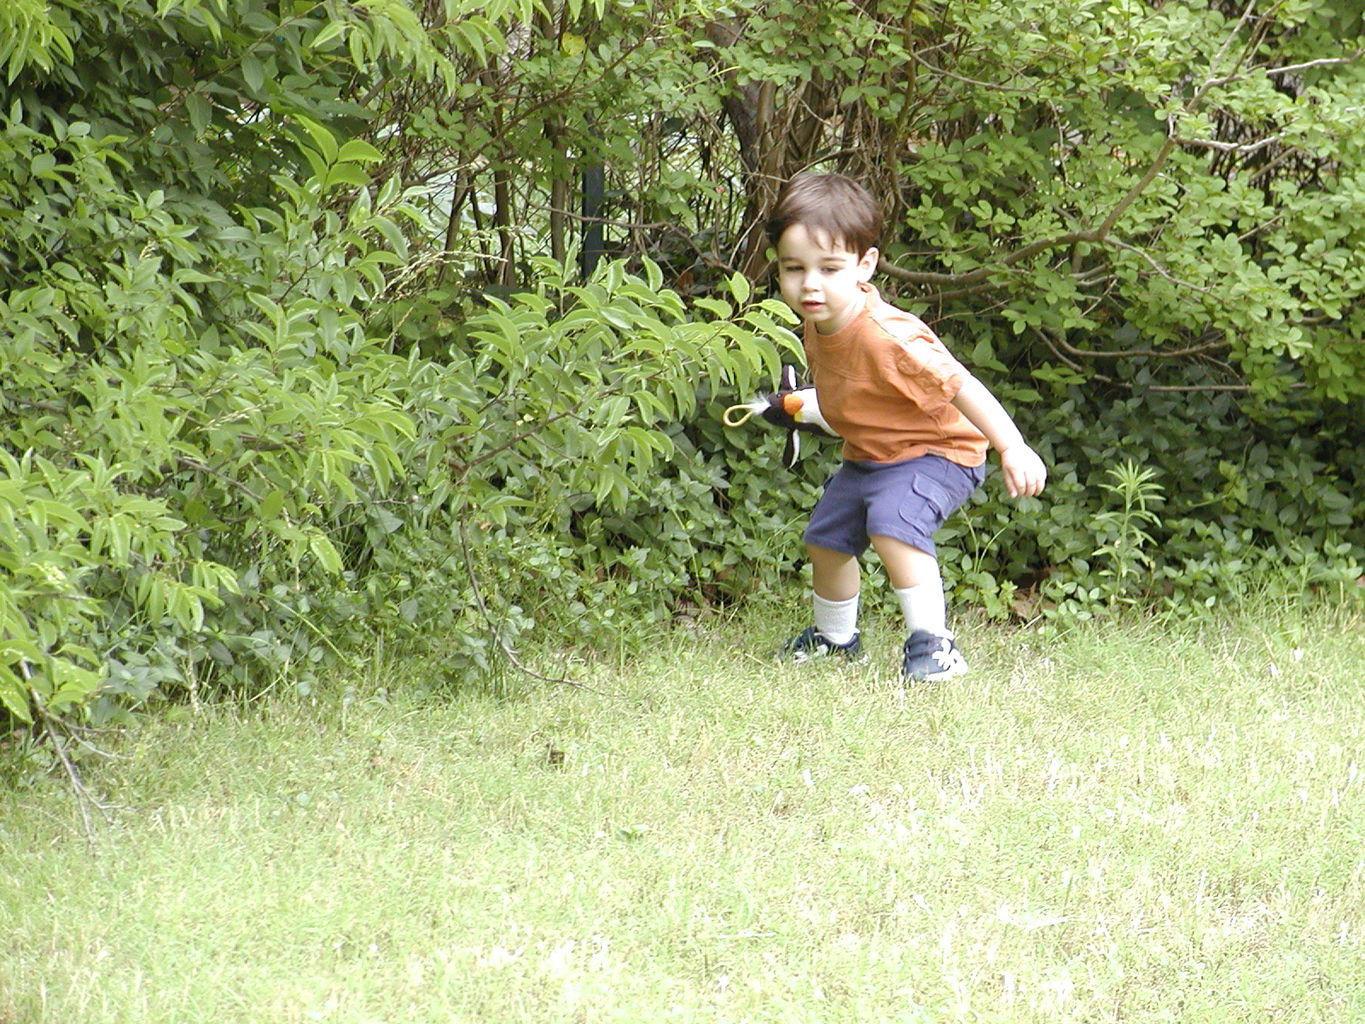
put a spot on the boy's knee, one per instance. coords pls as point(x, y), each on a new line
point(828, 556)
point(906, 565)
point(883, 542)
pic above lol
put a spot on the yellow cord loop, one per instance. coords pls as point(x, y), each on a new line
point(738, 415)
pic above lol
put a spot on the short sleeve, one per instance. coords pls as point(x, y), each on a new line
point(927, 373)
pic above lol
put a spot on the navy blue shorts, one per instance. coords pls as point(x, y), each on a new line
point(905, 500)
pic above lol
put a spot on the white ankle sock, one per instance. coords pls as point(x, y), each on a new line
point(837, 621)
point(924, 608)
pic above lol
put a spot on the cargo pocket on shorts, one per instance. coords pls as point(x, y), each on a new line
point(926, 505)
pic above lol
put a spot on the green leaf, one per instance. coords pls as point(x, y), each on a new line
point(323, 140)
point(345, 174)
point(331, 30)
point(359, 151)
point(253, 72)
point(272, 505)
point(325, 552)
point(200, 111)
point(14, 693)
point(739, 288)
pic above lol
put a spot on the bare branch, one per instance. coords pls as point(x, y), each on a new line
point(982, 273)
point(492, 625)
point(55, 729)
point(1162, 271)
point(1159, 161)
point(992, 86)
point(1155, 353)
point(1213, 387)
point(1061, 356)
point(196, 466)
point(1242, 148)
point(1289, 69)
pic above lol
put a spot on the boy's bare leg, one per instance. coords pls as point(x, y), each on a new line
point(835, 606)
point(906, 565)
point(919, 587)
point(834, 574)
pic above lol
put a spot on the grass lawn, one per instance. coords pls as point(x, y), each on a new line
point(1122, 823)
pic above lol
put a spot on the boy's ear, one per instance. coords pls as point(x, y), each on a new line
point(867, 263)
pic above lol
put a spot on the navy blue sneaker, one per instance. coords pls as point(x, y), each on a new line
point(814, 644)
point(930, 658)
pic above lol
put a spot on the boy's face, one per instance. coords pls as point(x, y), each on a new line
point(820, 279)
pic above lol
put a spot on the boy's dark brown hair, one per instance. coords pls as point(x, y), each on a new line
point(830, 205)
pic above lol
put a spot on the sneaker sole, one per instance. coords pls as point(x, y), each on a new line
point(937, 677)
point(803, 658)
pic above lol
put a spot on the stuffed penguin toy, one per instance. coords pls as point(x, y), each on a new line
point(791, 407)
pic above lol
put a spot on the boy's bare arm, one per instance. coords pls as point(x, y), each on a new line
point(1024, 471)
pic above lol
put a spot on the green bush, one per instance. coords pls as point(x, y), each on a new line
point(556, 477)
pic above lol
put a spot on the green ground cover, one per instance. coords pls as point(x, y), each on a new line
point(1120, 823)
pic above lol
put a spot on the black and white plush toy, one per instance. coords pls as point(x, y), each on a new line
point(791, 407)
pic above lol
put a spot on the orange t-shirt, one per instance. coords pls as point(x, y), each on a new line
point(886, 384)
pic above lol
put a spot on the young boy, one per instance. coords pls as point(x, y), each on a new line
point(915, 423)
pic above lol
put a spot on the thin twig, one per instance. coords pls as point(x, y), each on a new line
point(52, 727)
point(1154, 353)
point(1062, 356)
point(492, 625)
point(1320, 62)
point(1162, 271)
point(1240, 148)
point(1212, 387)
point(197, 466)
point(571, 412)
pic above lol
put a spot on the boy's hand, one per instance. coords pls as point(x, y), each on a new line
point(1024, 471)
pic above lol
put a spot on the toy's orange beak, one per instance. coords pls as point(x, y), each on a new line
point(791, 404)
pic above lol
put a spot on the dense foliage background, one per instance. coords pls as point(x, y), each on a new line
point(326, 325)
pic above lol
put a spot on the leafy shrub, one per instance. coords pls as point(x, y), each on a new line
point(556, 478)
